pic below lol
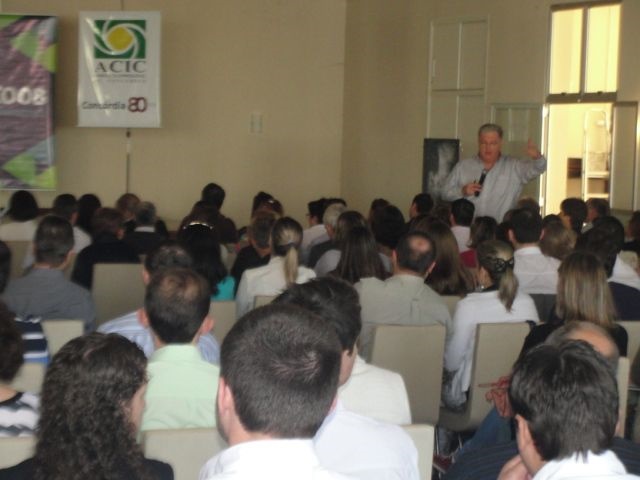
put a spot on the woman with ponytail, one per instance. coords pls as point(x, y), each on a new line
point(497, 301)
point(282, 271)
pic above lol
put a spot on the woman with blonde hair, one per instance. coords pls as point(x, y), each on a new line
point(583, 296)
point(557, 240)
point(498, 301)
point(282, 271)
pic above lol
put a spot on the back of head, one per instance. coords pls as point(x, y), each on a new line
point(359, 257)
point(202, 243)
point(634, 225)
point(53, 241)
point(331, 214)
point(201, 212)
point(332, 299)
point(482, 229)
point(496, 258)
point(597, 207)
point(449, 276)
point(462, 211)
point(387, 225)
point(11, 347)
point(22, 206)
point(347, 221)
point(88, 204)
point(259, 199)
point(558, 241)
point(5, 265)
point(423, 203)
point(526, 225)
point(315, 209)
point(529, 203)
point(568, 395)
point(605, 240)
point(168, 255)
point(107, 221)
point(85, 422)
point(176, 302)
point(65, 205)
point(214, 194)
point(591, 333)
point(286, 237)
point(576, 210)
point(126, 204)
point(281, 363)
point(416, 252)
point(146, 214)
point(583, 291)
point(260, 228)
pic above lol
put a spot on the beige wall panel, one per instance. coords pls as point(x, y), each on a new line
point(444, 108)
point(473, 55)
point(446, 57)
point(623, 156)
point(629, 60)
point(471, 114)
point(222, 60)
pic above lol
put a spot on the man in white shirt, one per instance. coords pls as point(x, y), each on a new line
point(565, 401)
point(535, 271)
point(278, 380)
point(402, 299)
point(349, 442)
point(316, 233)
point(462, 211)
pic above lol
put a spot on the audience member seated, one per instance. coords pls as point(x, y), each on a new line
point(281, 272)
point(18, 410)
point(279, 376)
point(21, 215)
point(485, 463)
point(92, 402)
point(144, 238)
point(107, 247)
point(529, 203)
point(500, 301)
point(182, 383)
point(201, 241)
point(360, 257)
point(404, 298)
point(583, 295)
point(557, 240)
point(368, 390)
point(462, 211)
point(633, 232)
point(88, 204)
point(536, 272)
point(376, 204)
point(214, 194)
point(330, 221)
point(134, 325)
point(596, 208)
point(316, 233)
point(387, 225)
point(565, 401)
point(258, 252)
point(45, 292)
point(346, 222)
point(126, 205)
point(422, 204)
point(35, 344)
point(66, 206)
point(449, 276)
point(573, 213)
point(348, 442)
point(482, 229)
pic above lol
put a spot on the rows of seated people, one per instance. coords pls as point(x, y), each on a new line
point(356, 272)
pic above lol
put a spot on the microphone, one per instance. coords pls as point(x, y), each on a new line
point(481, 181)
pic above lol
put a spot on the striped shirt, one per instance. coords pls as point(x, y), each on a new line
point(19, 415)
point(36, 348)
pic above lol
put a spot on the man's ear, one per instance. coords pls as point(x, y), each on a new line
point(523, 434)
point(207, 325)
point(511, 236)
point(430, 269)
point(225, 397)
point(143, 318)
point(146, 276)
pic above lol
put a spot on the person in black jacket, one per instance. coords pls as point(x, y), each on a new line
point(91, 408)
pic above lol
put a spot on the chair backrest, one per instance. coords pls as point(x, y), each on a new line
point(416, 353)
point(633, 331)
point(423, 436)
point(14, 450)
point(186, 450)
point(18, 251)
point(622, 375)
point(29, 378)
point(262, 300)
point(58, 332)
point(451, 301)
point(117, 289)
point(545, 302)
point(224, 315)
point(497, 348)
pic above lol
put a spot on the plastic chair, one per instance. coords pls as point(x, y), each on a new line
point(497, 347)
point(14, 450)
point(423, 437)
point(545, 302)
point(224, 315)
point(186, 450)
point(622, 376)
point(58, 332)
point(451, 301)
point(29, 377)
point(117, 289)
point(633, 331)
point(18, 251)
point(416, 352)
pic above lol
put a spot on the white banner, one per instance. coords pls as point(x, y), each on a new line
point(119, 69)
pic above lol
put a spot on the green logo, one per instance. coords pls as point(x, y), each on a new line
point(120, 39)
